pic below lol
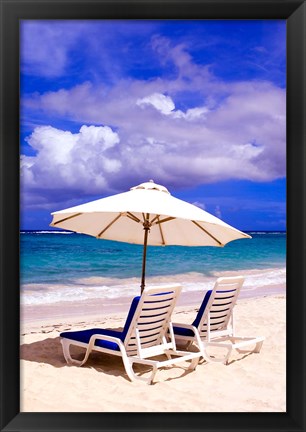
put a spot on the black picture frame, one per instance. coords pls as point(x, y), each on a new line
point(294, 11)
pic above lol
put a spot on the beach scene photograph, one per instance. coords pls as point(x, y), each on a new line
point(153, 216)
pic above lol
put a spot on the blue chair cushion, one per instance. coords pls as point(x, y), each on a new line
point(188, 332)
point(85, 335)
point(130, 315)
point(197, 320)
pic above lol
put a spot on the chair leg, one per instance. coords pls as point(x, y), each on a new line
point(154, 370)
point(194, 363)
point(226, 359)
point(66, 351)
point(258, 347)
point(128, 364)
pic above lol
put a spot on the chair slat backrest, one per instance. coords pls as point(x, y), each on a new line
point(220, 305)
point(152, 317)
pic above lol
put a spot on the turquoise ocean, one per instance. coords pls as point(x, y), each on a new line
point(59, 266)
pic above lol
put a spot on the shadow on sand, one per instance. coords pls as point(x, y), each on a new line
point(49, 351)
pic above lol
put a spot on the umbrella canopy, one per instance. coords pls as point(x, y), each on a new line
point(147, 214)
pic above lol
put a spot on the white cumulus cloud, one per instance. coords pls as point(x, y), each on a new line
point(165, 105)
point(234, 130)
point(65, 161)
point(162, 103)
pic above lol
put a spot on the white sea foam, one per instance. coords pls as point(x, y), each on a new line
point(110, 288)
point(46, 232)
point(267, 232)
point(54, 294)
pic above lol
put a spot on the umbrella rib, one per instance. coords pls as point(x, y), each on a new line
point(109, 225)
point(67, 218)
point(165, 220)
point(210, 235)
point(160, 230)
point(133, 217)
point(154, 219)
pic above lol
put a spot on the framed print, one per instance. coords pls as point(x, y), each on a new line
point(131, 125)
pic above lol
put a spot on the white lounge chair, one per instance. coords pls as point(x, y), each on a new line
point(143, 336)
point(214, 323)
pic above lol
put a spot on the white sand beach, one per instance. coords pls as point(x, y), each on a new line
point(152, 152)
point(249, 383)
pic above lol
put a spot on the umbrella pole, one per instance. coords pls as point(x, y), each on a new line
point(146, 227)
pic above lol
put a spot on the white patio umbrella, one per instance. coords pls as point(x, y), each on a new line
point(147, 214)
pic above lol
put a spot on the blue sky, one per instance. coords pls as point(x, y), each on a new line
point(198, 106)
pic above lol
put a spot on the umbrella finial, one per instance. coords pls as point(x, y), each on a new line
point(150, 185)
